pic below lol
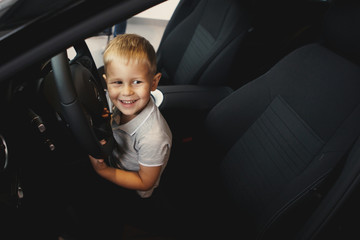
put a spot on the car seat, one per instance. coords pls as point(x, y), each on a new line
point(271, 149)
point(198, 46)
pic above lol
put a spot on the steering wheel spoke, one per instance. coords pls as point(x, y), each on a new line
point(82, 103)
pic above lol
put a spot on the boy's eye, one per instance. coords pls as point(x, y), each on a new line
point(136, 82)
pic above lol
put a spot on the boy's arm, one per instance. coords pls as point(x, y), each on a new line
point(142, 180)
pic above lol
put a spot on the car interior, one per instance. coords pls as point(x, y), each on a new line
point(279, 145)
point(262, 98)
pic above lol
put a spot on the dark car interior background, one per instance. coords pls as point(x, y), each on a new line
point(262, 98)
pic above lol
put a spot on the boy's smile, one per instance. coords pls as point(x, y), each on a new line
point(129, 85)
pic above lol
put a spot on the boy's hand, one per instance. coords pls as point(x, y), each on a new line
point(98, 164)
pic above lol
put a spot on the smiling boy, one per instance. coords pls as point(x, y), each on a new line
point(143, 137)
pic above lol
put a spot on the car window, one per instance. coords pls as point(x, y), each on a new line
point(150, 23)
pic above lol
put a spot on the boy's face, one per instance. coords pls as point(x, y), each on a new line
point(129, 86)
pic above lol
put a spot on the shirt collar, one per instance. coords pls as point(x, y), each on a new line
point(132, 126)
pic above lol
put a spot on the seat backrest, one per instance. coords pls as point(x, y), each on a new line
point(283, 133)
point(198, 45)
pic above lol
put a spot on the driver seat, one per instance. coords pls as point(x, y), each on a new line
point(287, 141)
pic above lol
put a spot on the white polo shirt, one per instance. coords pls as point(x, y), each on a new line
point(144, 140)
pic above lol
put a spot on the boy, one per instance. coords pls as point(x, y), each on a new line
point(141, 132)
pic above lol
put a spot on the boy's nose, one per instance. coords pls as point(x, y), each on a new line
point(127, 90)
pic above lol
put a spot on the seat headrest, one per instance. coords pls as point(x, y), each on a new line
point(341, 31)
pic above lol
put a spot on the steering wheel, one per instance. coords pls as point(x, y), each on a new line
point(82, 105)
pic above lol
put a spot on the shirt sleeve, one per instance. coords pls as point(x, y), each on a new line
point(154, 149)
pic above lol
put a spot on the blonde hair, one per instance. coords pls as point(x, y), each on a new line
point(131, 48)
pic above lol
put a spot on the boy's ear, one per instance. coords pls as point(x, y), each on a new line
point(155, 82)
point(104, 76)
